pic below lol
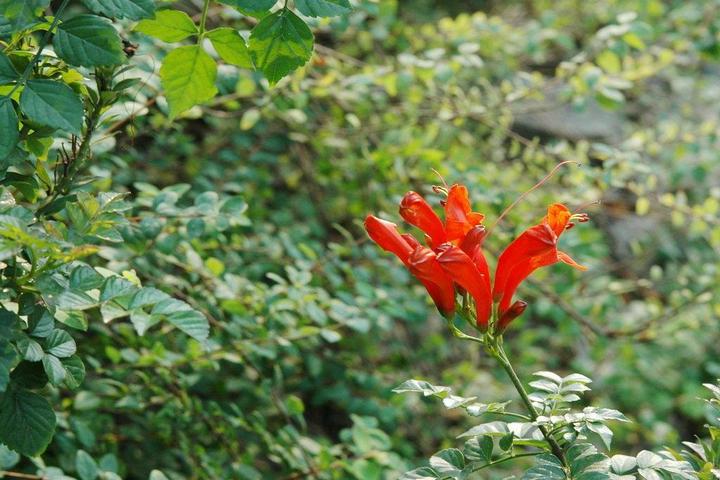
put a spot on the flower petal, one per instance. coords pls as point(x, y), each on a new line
point(459, 217)
point(416, 211)
point(385, 234)
point(557, 217)
point(461, 268)
point(424, 265)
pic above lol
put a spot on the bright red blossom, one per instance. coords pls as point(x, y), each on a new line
point(454, 254)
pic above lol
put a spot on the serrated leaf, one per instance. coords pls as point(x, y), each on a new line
point(547, 467)
point(21, 14)
point(253, 7)
point(8, 73)
point(323, 8)
point(231, 47)
point(53, 369)
point(423, 473)
point(60, 344)
point(622, 463)
point(188, 78)
point(130, 9)
point(52, 103)
point(280, 44)
point(9, 127)
point(115, 287)
point(74, 300)
point(84, 277)
point(27, 421)
point(168, 26)
point(75, 369)
point(147, 296)
point(88, 41)
point(192, 323)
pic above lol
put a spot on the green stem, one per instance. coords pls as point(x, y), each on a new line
point(499, 353)
point(203, 19)
point(41, 47)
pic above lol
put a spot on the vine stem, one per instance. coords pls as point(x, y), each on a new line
point(41, 47)
point(496, 349)
point(203, 19)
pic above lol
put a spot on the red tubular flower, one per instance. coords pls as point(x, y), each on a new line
point(536, 247)
point(416, 211)
point(419, 260)
point(459, 217)
point(461, 268)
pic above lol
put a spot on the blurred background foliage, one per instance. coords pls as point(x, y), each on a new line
point(249, 209)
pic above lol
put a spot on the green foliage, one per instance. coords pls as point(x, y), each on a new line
point(89, 41)
point(188, 78)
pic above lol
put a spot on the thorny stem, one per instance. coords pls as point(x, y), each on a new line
point(496, 350)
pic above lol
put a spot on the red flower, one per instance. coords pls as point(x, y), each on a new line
point(419, 260)
point(536, 247)
point(454, 254)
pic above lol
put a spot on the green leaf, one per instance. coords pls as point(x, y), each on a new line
point(147, 296)
point(547, 467)
point(27, 422)
point(75, 369)
point(88, 41)
point(52, 103)
point(116, 287)
point(86, 466)
point(231, 47)
point(323, 8)
point(421, 386)
point(251, 7)
point(9, 127)
point(168, 26)
point(448, 462)
point(130, 9)
point(424, 473)
point(8, 359)
point(84, 277)
point(8, 458)
point(8, 73)
point(191, 322)
point(279, 44)
point(54, 369)
point(30, 350)
point(22, 13)
point(60, 344)
point(188, 78)
point(74, 300)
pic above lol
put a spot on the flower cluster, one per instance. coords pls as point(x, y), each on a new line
point(452, 258)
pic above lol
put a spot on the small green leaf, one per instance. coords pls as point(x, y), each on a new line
point(323, 8)
point(27, 421)
point(30, 350)
point(423, 473)
point(75, 369)
point(147, 296)
point(279, 44)
point(52, 103)
point(130, 9)
point(60, 344)
point(86, 466)
point(8, 73)
point(231, 47)
point(188, 78)
point(9, 127)
point(168, 26)
point(88, 41)
point(116, 287)
point(448, 462)
point(54, 369)
point(84, 278)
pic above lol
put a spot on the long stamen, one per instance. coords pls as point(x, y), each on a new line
point(587, 204)
point(531, 189)
point(441, 179)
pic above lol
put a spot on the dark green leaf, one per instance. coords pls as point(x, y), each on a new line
point(231, 47)
point(323, 8)
point(168, 26)
point(21, 14)
point(9, 127)
point(60, 344)
point(27, 421)
point(30, 350)
point(424, 473)
point(8, 73)
point(52, 103)
point(8, 359)
point(116, 287)
point(279, 44)
point(188, 78)
point(75, 371)
point(88, 41)
point(448, 462)
point(252, 7)
point(147, 296)
point(54, 369)
point(84, 277)
point(130, 9)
